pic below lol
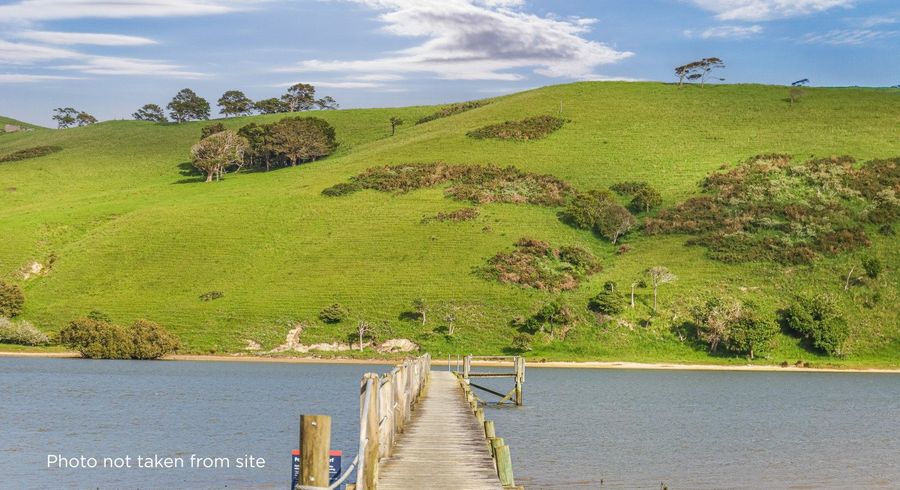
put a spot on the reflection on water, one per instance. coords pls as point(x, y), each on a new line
point(627, 428)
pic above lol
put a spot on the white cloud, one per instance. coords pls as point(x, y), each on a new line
point(726, 32)
point(37, 10)
point(476, 40)
point(847, 37)
point(30, 54)
point(757, 10)
point(333, 84)
point(29, 78)
point(73, 38)
point(879, 20)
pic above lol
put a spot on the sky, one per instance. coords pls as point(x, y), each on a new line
point(109, 57)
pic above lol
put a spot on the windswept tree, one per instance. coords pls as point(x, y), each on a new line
point(327, 103)
point(302, 138)
point(270, 106)
point(421, 307)
point(613, 221)
point(698, 70)
point(658, 276)
point(215, 153)
point(65, 117)
point(395, 121)
point(150, 112)
point(85, 119)
point(188, 106)
point(235, 103)
point(258, 138)
point(300, 97)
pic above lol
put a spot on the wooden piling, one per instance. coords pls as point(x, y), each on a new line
point(315, 442)
point(504, 467)
point(520, 379)
point(489, 430)
point(370, 473)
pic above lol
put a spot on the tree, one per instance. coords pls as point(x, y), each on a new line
point(644, 199)
point(732, 324)
point(235, 103)
point(421, 307)
point(151, 341)
point(150, 112)
point(300, 97)
point(395, 121)
point(607, 301)
point(333, 313)
point(270, 106)
point(11, 300)
point(751, 335)
point(450, 320)
point(658, 276)
point(327, 103)
point(210, 130)
point(85, 119)
point(613, 221)
point(698, 70)
point(218, 152)
point(97, 339)
point(258, 138)
point(65, 117)
point(795, 94)
point(817, 319)
point(364, 330)
point(552, 318)
point(637, 283)
point(188, 106)
point(302, 138)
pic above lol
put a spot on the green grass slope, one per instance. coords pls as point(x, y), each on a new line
point(131, 235)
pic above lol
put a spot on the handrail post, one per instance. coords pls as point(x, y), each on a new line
point(520, 378)
point(370, 472)
point(467, 366)
point(315, 442)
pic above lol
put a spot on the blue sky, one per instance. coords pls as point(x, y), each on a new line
point(110, 57)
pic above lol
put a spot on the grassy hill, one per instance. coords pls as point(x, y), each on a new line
point(131, 233)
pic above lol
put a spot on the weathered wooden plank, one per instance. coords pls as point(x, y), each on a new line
point(443, 445)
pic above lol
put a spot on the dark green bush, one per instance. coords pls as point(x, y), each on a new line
point(96, 339)
point(521, 342)
point(340, 189)
point(11, 299)
point(452, 110)
point(33, 152)
point(645, 199)
point(210, 130)
point(733, 325)
point(553, 319)
point(598, 211)
point(872, 266)
point(608, 302)
point(531, 128)
point(151, 341)
point(818, 320)
point(334, 313)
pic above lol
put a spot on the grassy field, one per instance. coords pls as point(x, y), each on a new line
point(133, 234)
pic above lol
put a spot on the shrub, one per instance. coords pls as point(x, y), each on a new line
point(817, 319)
point(11, 299)
point(872, 266)
point(608, 302)
point(531, 128)
point(645, 199)
point(521, 342)
point(340, 189)
point(769, 208)
point(584, 209)
point(463, 214)
point(333, 313)
point(211, 295)
point(552, 319)
point(734, 325)
point(452, 110)
point(474, 183)
point(535, 264)
point(33, 152)
point(628, 187)
point(151, 341)
point(210, 130)
point(21, 332)
point(96, 339)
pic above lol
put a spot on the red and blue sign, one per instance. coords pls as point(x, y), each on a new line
point(334, 466)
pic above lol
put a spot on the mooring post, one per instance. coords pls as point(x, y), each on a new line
point(315, 442)
point(489, 430)
point(370, 471)
point(467, 366)
point(504, 467)
point(520, 378)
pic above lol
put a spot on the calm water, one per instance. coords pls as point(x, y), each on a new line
point(630, 429)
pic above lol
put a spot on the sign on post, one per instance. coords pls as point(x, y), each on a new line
point(334, 466)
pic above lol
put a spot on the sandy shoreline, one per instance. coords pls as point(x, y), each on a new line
point(438, 363)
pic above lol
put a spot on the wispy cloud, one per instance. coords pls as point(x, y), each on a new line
point(847, 37)
point(476, 40)
point(759, 10)
point(74, 38)
point(725, 32)
point(334, 84)
point(29, 78)
point(37, 10)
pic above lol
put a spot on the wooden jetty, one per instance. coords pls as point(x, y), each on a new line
point(419, 429)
